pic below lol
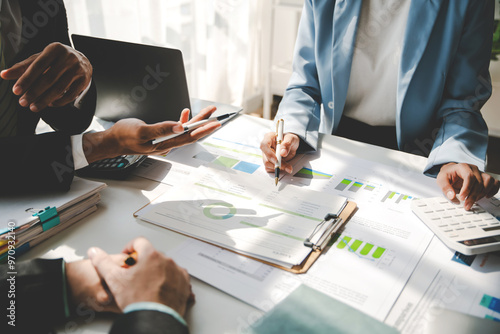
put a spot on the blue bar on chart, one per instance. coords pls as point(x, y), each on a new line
point(246, 167)
point(490, 302)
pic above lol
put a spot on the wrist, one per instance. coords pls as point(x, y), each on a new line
point(98, 146)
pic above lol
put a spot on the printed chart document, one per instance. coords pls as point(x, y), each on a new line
point(368, 265)
point(446, 279)
point(248, 215)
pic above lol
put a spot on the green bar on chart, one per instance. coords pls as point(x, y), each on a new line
point(225, 161)
point(370, 188)
point(366, 249)
point(355, 245)
point(405, 197)
point(378, 252)
point(343, 242)
point(392, 195)
point(343, 184)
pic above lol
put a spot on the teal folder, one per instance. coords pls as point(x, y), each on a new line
point(309, 311)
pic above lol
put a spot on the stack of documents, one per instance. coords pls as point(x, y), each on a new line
point(248, 215)
point(28, 220)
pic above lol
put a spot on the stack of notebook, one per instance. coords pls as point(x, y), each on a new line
point(28, 220)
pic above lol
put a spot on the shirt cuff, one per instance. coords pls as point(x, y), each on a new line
point(152, 306)
point(79, 100)
point(79, 158)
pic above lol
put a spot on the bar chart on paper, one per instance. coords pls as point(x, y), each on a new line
point(395, 197)
point(354, 246)
point(353, 186)
point(379, 256)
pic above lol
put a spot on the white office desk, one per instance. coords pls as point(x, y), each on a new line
point(113, 225)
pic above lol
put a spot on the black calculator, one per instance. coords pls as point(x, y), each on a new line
point(114, 168)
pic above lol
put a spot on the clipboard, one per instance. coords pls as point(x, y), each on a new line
point(337, 221)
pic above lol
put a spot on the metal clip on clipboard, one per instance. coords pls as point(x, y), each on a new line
point(322, 232)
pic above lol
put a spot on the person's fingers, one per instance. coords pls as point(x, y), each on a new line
point(204, 113)
point(140, 245)
point(267, 146)
point(149, 132)
point(191, 300)
point(16, 70)
point(103, 263)
point(68, 95)
point(491, 185)
point(36, 69)
point(184, 116)
point(443, 181)
point(472, 188)
point(60, 90)
point(49, 83)
point(288, 151)
point(289, 146)
point(187, 138)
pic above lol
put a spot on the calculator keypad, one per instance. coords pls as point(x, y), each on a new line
point(453, 224)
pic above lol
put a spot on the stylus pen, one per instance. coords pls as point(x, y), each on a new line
point(192, 126)
point(279, 139)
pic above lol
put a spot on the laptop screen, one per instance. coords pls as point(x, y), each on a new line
point(135, 80)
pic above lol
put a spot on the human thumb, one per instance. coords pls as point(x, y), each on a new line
point(101, 261)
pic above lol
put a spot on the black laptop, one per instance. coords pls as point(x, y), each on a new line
point(135, 80)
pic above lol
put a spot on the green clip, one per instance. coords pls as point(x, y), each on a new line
point(48, 217)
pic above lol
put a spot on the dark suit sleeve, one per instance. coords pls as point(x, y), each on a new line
point(147, 322)
point(29, 162)
point(37, 292)
point(36, 163)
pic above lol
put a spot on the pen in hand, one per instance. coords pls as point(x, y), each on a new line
point(130, 260)
point(279, 139)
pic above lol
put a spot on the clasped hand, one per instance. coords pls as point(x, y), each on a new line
point(104, 284)
point(54, 77)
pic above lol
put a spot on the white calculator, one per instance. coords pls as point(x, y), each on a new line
point(469, 232)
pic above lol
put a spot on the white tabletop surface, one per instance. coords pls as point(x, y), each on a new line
point(113, 225)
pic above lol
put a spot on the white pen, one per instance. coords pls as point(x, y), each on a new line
point(279, 139)
point(192, 126)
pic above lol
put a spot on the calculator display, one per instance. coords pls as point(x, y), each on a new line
point(481, 241)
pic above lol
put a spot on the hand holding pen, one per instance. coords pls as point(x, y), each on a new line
point(279, 139)
point(149, 276)
point(286, 151)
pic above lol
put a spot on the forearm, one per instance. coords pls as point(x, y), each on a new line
point(98, 146)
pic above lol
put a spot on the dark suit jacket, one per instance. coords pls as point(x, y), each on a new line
point(43, 162)
point(38, 297)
